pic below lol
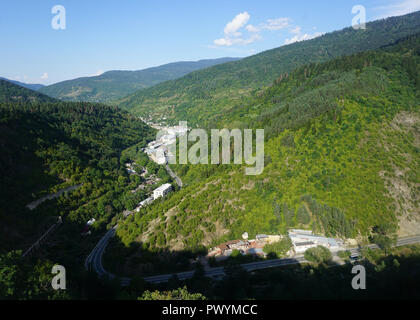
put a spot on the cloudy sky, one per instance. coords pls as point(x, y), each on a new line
point(136, 34)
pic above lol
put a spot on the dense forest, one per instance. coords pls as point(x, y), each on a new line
point(342, 142)
point(201, 97)
point(49, 145)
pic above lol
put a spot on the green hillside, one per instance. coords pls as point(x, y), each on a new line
point(48, 145)
point(202, 96)
point(10, 92)
point(31, 86)
point(113, 85)
point(341, 157)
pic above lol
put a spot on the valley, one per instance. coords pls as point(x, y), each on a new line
point(87, 182)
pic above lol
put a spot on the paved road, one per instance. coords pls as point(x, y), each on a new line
point(95, 259)
point(220, 271)
point(400, 242)
point(36, 203)
point(174, 176)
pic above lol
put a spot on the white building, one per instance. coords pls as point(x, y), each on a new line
point(162, 191)
point(301, 247)
point(144, 203)
point(303, 240)
point(159, 150)
point(158, 156)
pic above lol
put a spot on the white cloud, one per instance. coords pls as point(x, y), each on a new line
point(223, 42)
point(237, 23)
point(232, 41)
point(98, 73)
point(252, 28)
point(44, 76)
point(276, 24)
point(233, 34)
point(303, 37)
point(270, 24)
point(296, 30)
point(397, 8)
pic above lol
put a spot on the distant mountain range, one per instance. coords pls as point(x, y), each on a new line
point(34, 86)
point(207, 96)
point(114, 85)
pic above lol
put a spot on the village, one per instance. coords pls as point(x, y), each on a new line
point(159, 150)
point(149, 180)
point(302, 240)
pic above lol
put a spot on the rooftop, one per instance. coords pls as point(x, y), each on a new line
point(164, 187)
point(301, 244)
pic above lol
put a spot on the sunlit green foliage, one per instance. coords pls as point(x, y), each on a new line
point(318, 254)
point(278, 249)
point(330, 141)
point(207, 96)
point(177, 294)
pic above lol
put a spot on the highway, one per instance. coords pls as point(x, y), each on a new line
point(400, 242)
point(220, 271)
point(95, 260)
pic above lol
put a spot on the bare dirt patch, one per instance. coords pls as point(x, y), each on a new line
point(405, 193)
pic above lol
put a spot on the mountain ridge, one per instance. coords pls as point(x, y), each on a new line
point(31, 86)
point(201, 96)
point(115, 84)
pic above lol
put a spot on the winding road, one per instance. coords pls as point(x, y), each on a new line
point(174, 176)
point(94, 260)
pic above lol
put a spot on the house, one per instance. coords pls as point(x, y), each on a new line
point(261, 237)
point(301, 247)
point(144, 203)
point(162, 191)
point(158, 155)
point(305, 239)
point(273, 239)
point(300, 231)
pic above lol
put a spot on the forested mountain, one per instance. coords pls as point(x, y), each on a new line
point(113, 85)
point(10, 92)
point(48, 145)
point(341, 157)
point(200, 97)
point(341, 115)
point(32, 86)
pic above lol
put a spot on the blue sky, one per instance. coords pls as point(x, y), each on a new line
point(136, 34)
